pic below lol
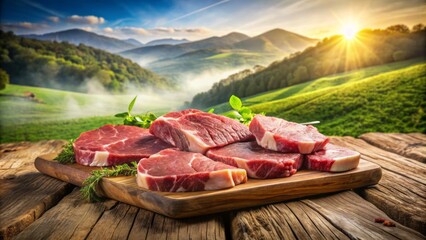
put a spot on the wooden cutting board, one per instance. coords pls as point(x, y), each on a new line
point(253, 193)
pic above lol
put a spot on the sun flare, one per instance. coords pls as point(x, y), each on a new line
point(349, 31)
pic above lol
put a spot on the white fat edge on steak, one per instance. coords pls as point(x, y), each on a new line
point(100, 159)
point(220, 179)
point(268, 141)
point(242, 163)
point(306, 147)
point(195, 145)
point(345, 163)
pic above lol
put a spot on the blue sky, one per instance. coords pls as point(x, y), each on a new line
point(192, 19)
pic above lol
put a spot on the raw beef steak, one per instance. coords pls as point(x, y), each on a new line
point(333, 159)
point(257, 161)
point(172, 170)
point(283, 136)
point(196, 131)
point(116, 144)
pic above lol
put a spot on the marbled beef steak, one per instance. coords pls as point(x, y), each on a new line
point(196, 131)
point(257, 161)
point(333, 159)
point(116, 144)
point(280, 135)
point(172, 170)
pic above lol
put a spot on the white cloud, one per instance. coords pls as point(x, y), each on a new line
point(108, 30)
point(85, 19)
point(54, 19)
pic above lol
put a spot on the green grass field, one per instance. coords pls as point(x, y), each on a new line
point(390, 102)
point(56, 114)
point(322, 83)
point(386, 98)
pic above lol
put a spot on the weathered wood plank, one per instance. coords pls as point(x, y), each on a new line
point(18, 158)
point(71, 218)
point(401, 193)
point(411, 145)
point(338, 216)
point(23, 200)
point(75, 218)
point(148, 225)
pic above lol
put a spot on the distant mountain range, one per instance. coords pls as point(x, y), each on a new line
point(175, 58)
point(113, 45)
point(234, 50)
point(149, 54)
point(77, 36)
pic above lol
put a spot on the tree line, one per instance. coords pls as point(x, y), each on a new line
point(330, 56)
point(62, 65)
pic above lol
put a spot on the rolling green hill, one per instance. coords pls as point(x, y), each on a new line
point(330, 56)
point(69, 67)
point(354, 103)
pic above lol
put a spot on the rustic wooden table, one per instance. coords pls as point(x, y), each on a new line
point(35, 206)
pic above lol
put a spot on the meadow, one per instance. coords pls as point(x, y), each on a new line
point(57, 114)
point(384, 98)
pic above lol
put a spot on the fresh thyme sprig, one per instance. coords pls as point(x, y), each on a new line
point(141, 120)
point(89, 191)
point(67, 154)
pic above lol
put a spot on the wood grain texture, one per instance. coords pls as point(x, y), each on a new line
point(25, 193)
point(336, 216)
point(253, 193)
point(411, 145)
point(74, 218)
point(71, 218)
point(401, 193)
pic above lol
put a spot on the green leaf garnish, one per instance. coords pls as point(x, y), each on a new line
point(141, 120)
point(132, 103)
point(90, 192)
point(67, 155)
point(239, 112)
point(235, 102)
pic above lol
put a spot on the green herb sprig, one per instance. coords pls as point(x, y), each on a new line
point(141, 120)
point(67, 155)
point(239, 112)
point(89, 191)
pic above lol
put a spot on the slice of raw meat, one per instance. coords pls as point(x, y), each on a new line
point(196, 131)
point(116, 144)
point(257, 161)
point(283, 136)
point(172, 170)
point(333, 159)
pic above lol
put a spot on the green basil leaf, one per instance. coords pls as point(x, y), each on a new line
point(132, 103)
point(122, 115)
point(235, 102)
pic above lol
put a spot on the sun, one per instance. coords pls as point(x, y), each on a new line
point(349, 31)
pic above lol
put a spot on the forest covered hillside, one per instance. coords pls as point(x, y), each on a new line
point(330, 56)
point(70, 67)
